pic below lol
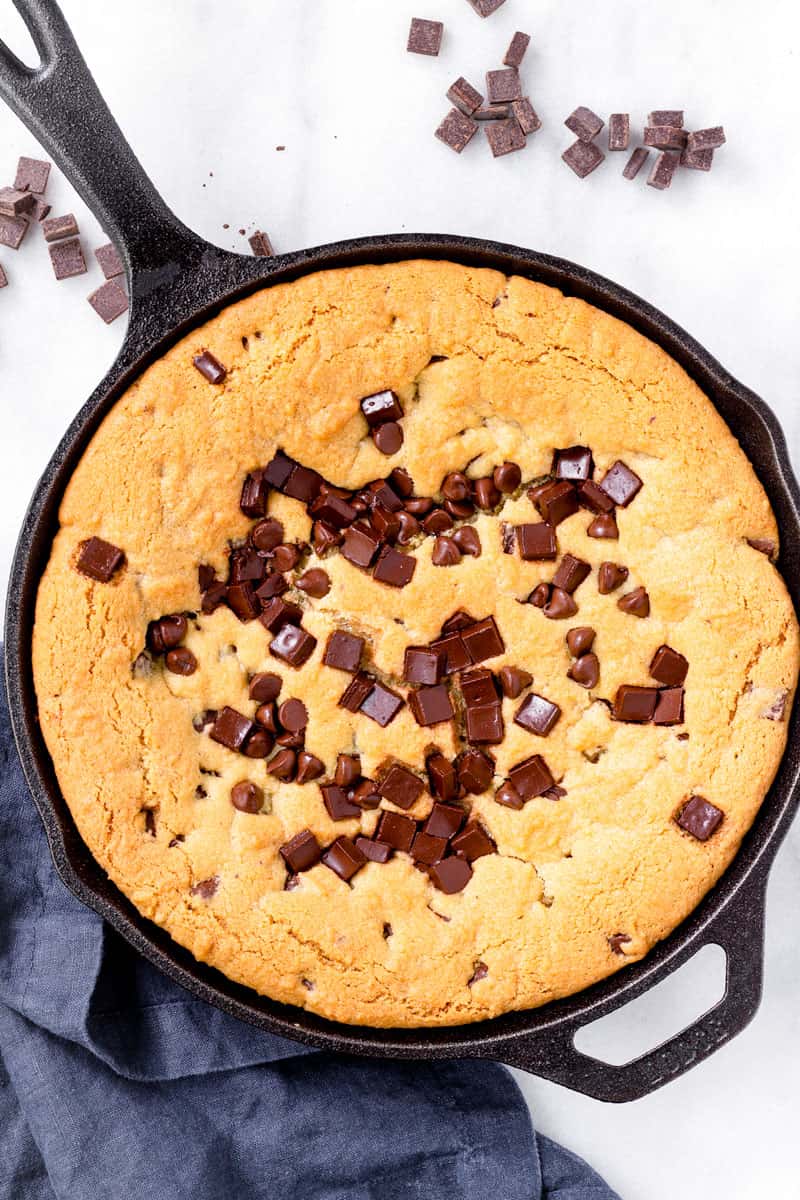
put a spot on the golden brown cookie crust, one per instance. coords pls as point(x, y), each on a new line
point(525, 370)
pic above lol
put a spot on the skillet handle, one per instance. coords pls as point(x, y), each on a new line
point(62, 106)
point(739, 930)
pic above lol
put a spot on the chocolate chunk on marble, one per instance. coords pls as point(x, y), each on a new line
point(12, 231)
point(537, 715)
point(67, 258)
point(666, 116)
point(464, 96)
point(14, 203)
point(425, 37)
point(584, 123)
point(503, 86)
point(700, 818)
point(485, 8)
point(504, 137)
point(697, 160)
point(516, 50)
point(32, 175)
point(260, 244)
point(665, 137)
point(706, 139)
point(525, 115)
point(55, 228)
point(109, 301)
point(636, 162)
point(663, 170)
point(619, 131)
point(456, 130)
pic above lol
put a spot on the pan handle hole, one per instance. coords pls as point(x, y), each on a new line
point(15, 35)
point(664, 1010)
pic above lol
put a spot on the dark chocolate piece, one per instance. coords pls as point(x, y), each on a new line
point(303, 484)
point(571, 573)
point(381, 407)
point(99, 560)
point(700, 818)
point(610, 576)
point(360, 545)
point(348, 770)
point(32, 175)
point(442, 778)
point(482, 640)
point(344, 858)
point(580, 640)
point(278, 470)
point(55, 228)
point(431, 705)
point(266, 535)
point(401, 482)
point(243, 601)
point(525, 115)
point(444, 821)
point(283, 765)
point(343, 651)
point(508, 796)
point(293, 645)
point(456, 486)
point(67, 258)
point(635, 603)
point(356, 692)
point(267, 715)
point(231, 728)
point(584, 123)
point(445, 552)
point(666, 116)
point(41, 210)
point(560, 604)
point(206, 888)
point(409, 528)
point(336, 802)
point(531, 777)
point(301, 852)
point(575, 463)
point(513, 681)
point(669, 667)
point(472, 842)
point(315, 583)
point(464, 96)
point(14, 203)
point(516, 50)
point(664, 168)
point(400, 786)
point(485, 8)
point(537, 543)
point(388, 437)
point(379, 852)
point(427, 849)
point(537, 714)
point(382, 705)
point(475, 771)
point(423, 664)
point(603, 526)
point(265, 687)
point(665, 137)
point(209, 366)
point(394, 568)
point(180, 661)
point(396, 830)
point(13, 230)
point(504, 137)
point(592, 496)
point(698, 160)
point(669, 707)
point(247, 797)
point(253, 503)
point(456, 656)
point(585, 670)
point(616, 941)
point(425, 37)
point(555, 501)
point(493, 112)
point(635, 163)
point(260, 244)
point(619, 131)
point(456, 130)
point(540, 596)
point(484, 724)
point(635, 704)
point(621, 484)
point(486, 494)
point(277, 612)
point(503, 86)
point(706, 139)
point(333, 510)
point(583, 158)
point(478, 687)
point(293, 715)
point(451, 875)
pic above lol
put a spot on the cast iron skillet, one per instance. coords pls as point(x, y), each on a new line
point(176, 281)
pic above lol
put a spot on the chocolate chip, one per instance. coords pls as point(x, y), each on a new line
point(294, 741)
point(99, 560)
point(531, 777)
point(259, 744)
point(603, 526)
point(418, 506)
point(425, 37)
point(283, 765)
point(468, 541)
point(247, 797)
point(456, 656)
point(664, 168)
point(180, 661)
point(344, 858)
point(537, 542)
point(293, 715)
point(451, 875)
point(525, 115)
point(394, 568)
point(208, 366)
point(285, 557)
point(584, 123)
point(109, 301)
point(315, 583)
point(231, 728)
point(504, 137)
point(400, 786)
point(591, 496)
point(482, 640)
point(303, 484)
point(669, 667)
point(360, 545)
point(343, 651)
point(571, 573)
point(348, 770)
point(583, 158)
point(635, 704)
point(444, 821)
point(242, 599)
point(507, 477)
point(309, 767)
point(666, 116)
point(379, 852)
point(669, 707)
point(665, 137)
point(166, 633)
point(508, 796)
point(585, 670)
point(382, 705)
point(473, 842)
point(260, 244)
point(422, 664)
point(267, 716)
point(619, 131)
point(336, 802)
point(409, 527)
point(401, 482)
point(540, 596)
point(464, 96)
point(475, 771)
point(559, 605)
point(621, 484)
point(636, 162)
point(431, 705)
point(610, 576)
point(580, 640)
point(445, 553)
point(513, 681)
point(396, 830)
point(278, 613)
point(246, 564)
point(293, 645)
point(700, 818)
point(484, 724)
point(635, 603)
point(32, 175)
point(706, 139)
point(537, 715)
point(479, 972)
point(456, 486)
point(388, 437)
point(437, 522)
point(265, 687)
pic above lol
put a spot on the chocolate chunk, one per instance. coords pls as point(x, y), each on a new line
point(635, 704)
point(669, 707)
point(437, 522)
point(555, 501)
point(15, 203)
point(444, 821)
point(32, 175)
point(431, 705)
point(356, 692)
point(381, 407)
point(513, 681)
point(41, 210)
point(246, 565)
point(516, 50)
point(333, 510)
point(442, 778)
point(315, 583)
point(344, 858)
point(575, 463)
point(456, 656)
point(265, 687)
point(459, 620)
point(427, 849)
point(214, 596)
point(293, 645)
point(451, 875)
point(584, 124)
point(482, 640)
point(669, 667)
point(571, 573)
point(13, 230)
point(493, 112)
point(55, 228)
point(423, 664)
point(665, 137)
point(99, 560)
point(180, 661)
point(525, 115)
point(400, 786)
point(293, 715)
point(383, 495)
point(559, 605)
point(537, 542)
point(635, 603)
point(394, 568)
point(396, 830)
point(473, 842)
point(109, 260)
point(475, 771)
point(445, 553)
point(379, 852)
point(531, 777)
point(537, 715)
point(504, 137)
point(700, 160)
point(388, 437)
point(485, 8)
point(231, 728)
point(666, 116)
point(343, 651)
point(580, 640)
point(484, 724)
point(360, 545)
point(259, 744)
point(776, 709)
point(425, 37)
point(382, 705)
point(603, 526)
point(507, 477)
point(301, 852)
point(247, 797)
point(706, 139)
point(664, 168)
point(283, 765)
point(621, 484)
point(464, 96)
point(508, 796)
point(636, 162)
point(303, 484)
point(585, 670)
point(243, 601)
point(208, 366)
point(610, 576)
point(336, 802)
point(309, 767)
point(278, 470)
point(540, 596)
point(273, 586)
point(260, 244)
point(456, 130)
point(700, 818)
point(401, 482)
point(582, 158)
point(166, 633)
point(592, 496)
point(67, 258)
point(253, 503)
point(478, 687)
point(504, 86)
point(619, 131)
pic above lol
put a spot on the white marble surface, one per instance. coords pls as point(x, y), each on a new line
point(201, 87)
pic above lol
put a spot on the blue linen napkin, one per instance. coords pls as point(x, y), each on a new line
point(116, 1084)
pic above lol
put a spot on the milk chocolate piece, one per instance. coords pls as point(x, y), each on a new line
point(278, 470)
point(425, 37)
point(700, 818)
point(431, 705)
point(475, 771)
point(664, 168)
point(451, 875)
point(396, 830)
point(444, 821)
point(301, 852)
point(621, 484)
point(665, 137)
point(208, 366)
point(265, 687)
point(508, 796)
point(456, 130)
point(537, 715)
point(585, 670)
point(336, 802)
point(379, 852)
point(343, 651)
point(356, 692)
point(334, 510)
point(531, 777)
point(478, 687)
point(293, 715)
point(166, 633)
point(55, 228)
point(13, 230)
point(504, 137)
point(669, 707)
point(503, 86)
point(485, 8)
point(277, 612)
point(540, 596)
point(243, 601)
point(513, 681)
point(619, 131)
point(247, 797)
point(303, 484)
point(344, 858)
point(571, 573)
point(381, 407)
point(409, 527)
point(401, 786)
point(464, 96)
point(610, 576)
point(537, 543)
point(348, 770)
point(99, 560)
point(14, 203)
point(231, 728)
point(636, 162)
point(584, 124)
point(253, 503)
point(493, 112)
point(525, 115)
point(635, 603)
point(382, 705)
point(516, 50)
point(422, 664)
point(32, 175)
point(706, 139)
point(698, 160)
point(603, 526)
point(456, 656)
point(580, 640)
point(482, 640)
point(394, 568)
point(315, 583)
point(293, 645)
point(555, 501)
point(635, 704)
point(472, 842)
point(669, 667)
point(67, 258)
point(3, 278)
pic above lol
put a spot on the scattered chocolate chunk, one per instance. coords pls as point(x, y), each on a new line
point(13, 230)
point(508, 796)
point(531, 777)
point(356, 692)
point(636, 162)
point(293, 645)
point(478, 687)
point(537, 543)
point(776, 710)
point(616, 941)
point(700, 818)
point(665, 137)
point(427, 849)
point(99, 560)
point(559, 605)
point(360, 545)
point(456, 656)
point(537, 715)
point(635, 603)
point(231, 728)
point(555, 501)
point(303, 484)
point(209, 366)
point(540, 596)
point(610, 576)
point(669, 707)
point(484, 724)
point(344, 858)
point(109, 301)
point(583, 158)
point(459, 620)
point(516, 51)
point(513, 681)
point(442, 778)
point(482, 640)
point(333, 509)
point(243, 601)
point(493, 112)
point(503, 86)
point(669, 667)
point(374, 851)
point(382, 705)
point(664, 168)
point(293, 715)
point(260, 244)
point(507, 477)
point(584, 123)
point(15, 203)
point(336, 802)
point(485, 8)
point(635, 704)
point(698, 160)
point(396, 830)
point(666, 116)
point(444, 821)
point(67, 258)
point(585, 670)
point(431, 705)
point(109, 260)
point(706, 139)
point(394, 568)
point(621, 484)
point(603, 526)
point(41, 210)
point(473, 842)
point(504, 137)
point(32, 175)
point(456, 130)
point(388, 437)
point(571, 573)
point(401, 786)
point(525, 115)
point(592, 496)
point(464, 96)
point(247, 797)
point(575, 463)
point(425, 37)
point(206, 888)
point(55, 228)
point(278, 470)
point(277, 613)
point(423, 664)
point(475, 771)
point(343, 651)
point(619, 131)
point(580, 640)
point(401, 482)
point(180, 661)
point(283, 765)
point(451, 875)
point(309, 767)
point(265, 687)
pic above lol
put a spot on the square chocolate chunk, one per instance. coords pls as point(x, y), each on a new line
point(301, 852)
point(473, 842)
point(356, 692)
point(516, 50)
point(396, 830)
point(464, 96)
point(55, 228)
point(456, 130)
point(669, 707)
point(485, 8)
point(421, 664)
point(110, 262)
point(442, 777)
point(621, 483)
point(344, 858)
point(400, 786)
point(293, 645)
point(571, 573)
point(503, 86)
point(636, 162)
point(32, 175)
point(669, 667)
point(537, 543)
point(444, 821)
point(700, 818)
point(109, 301)
point(485, 725)
point(379, 852)
point(665, 137)
point(12, 231)
point(531, 777)
point(663, 169)
point(451, 875)
point(394, 568)
point(425, 37)
point(260, 244)
point(231, 729)
point(99, 560)
point(382, 705)
point(482, 640)
point(428, 849)
point(537, 714)
point(13, 203)
point(697, 160)
point(584, 123)
point(573, 463)
point(343, 651)
point(456, 656)
point(525, 115)
point(706, 139)
point(431, 705)
point(478, 687)
point(336, 802)
point(619, 131)
point(360, 545)
point(583, 158)
point(635, 704)
point(493, 112)
point(504, 137)
point(666, 116)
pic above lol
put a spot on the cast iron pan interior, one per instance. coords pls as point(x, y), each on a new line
point(177, 280)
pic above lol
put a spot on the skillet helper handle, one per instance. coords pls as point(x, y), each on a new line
point(62, 106)
point(739, 930)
